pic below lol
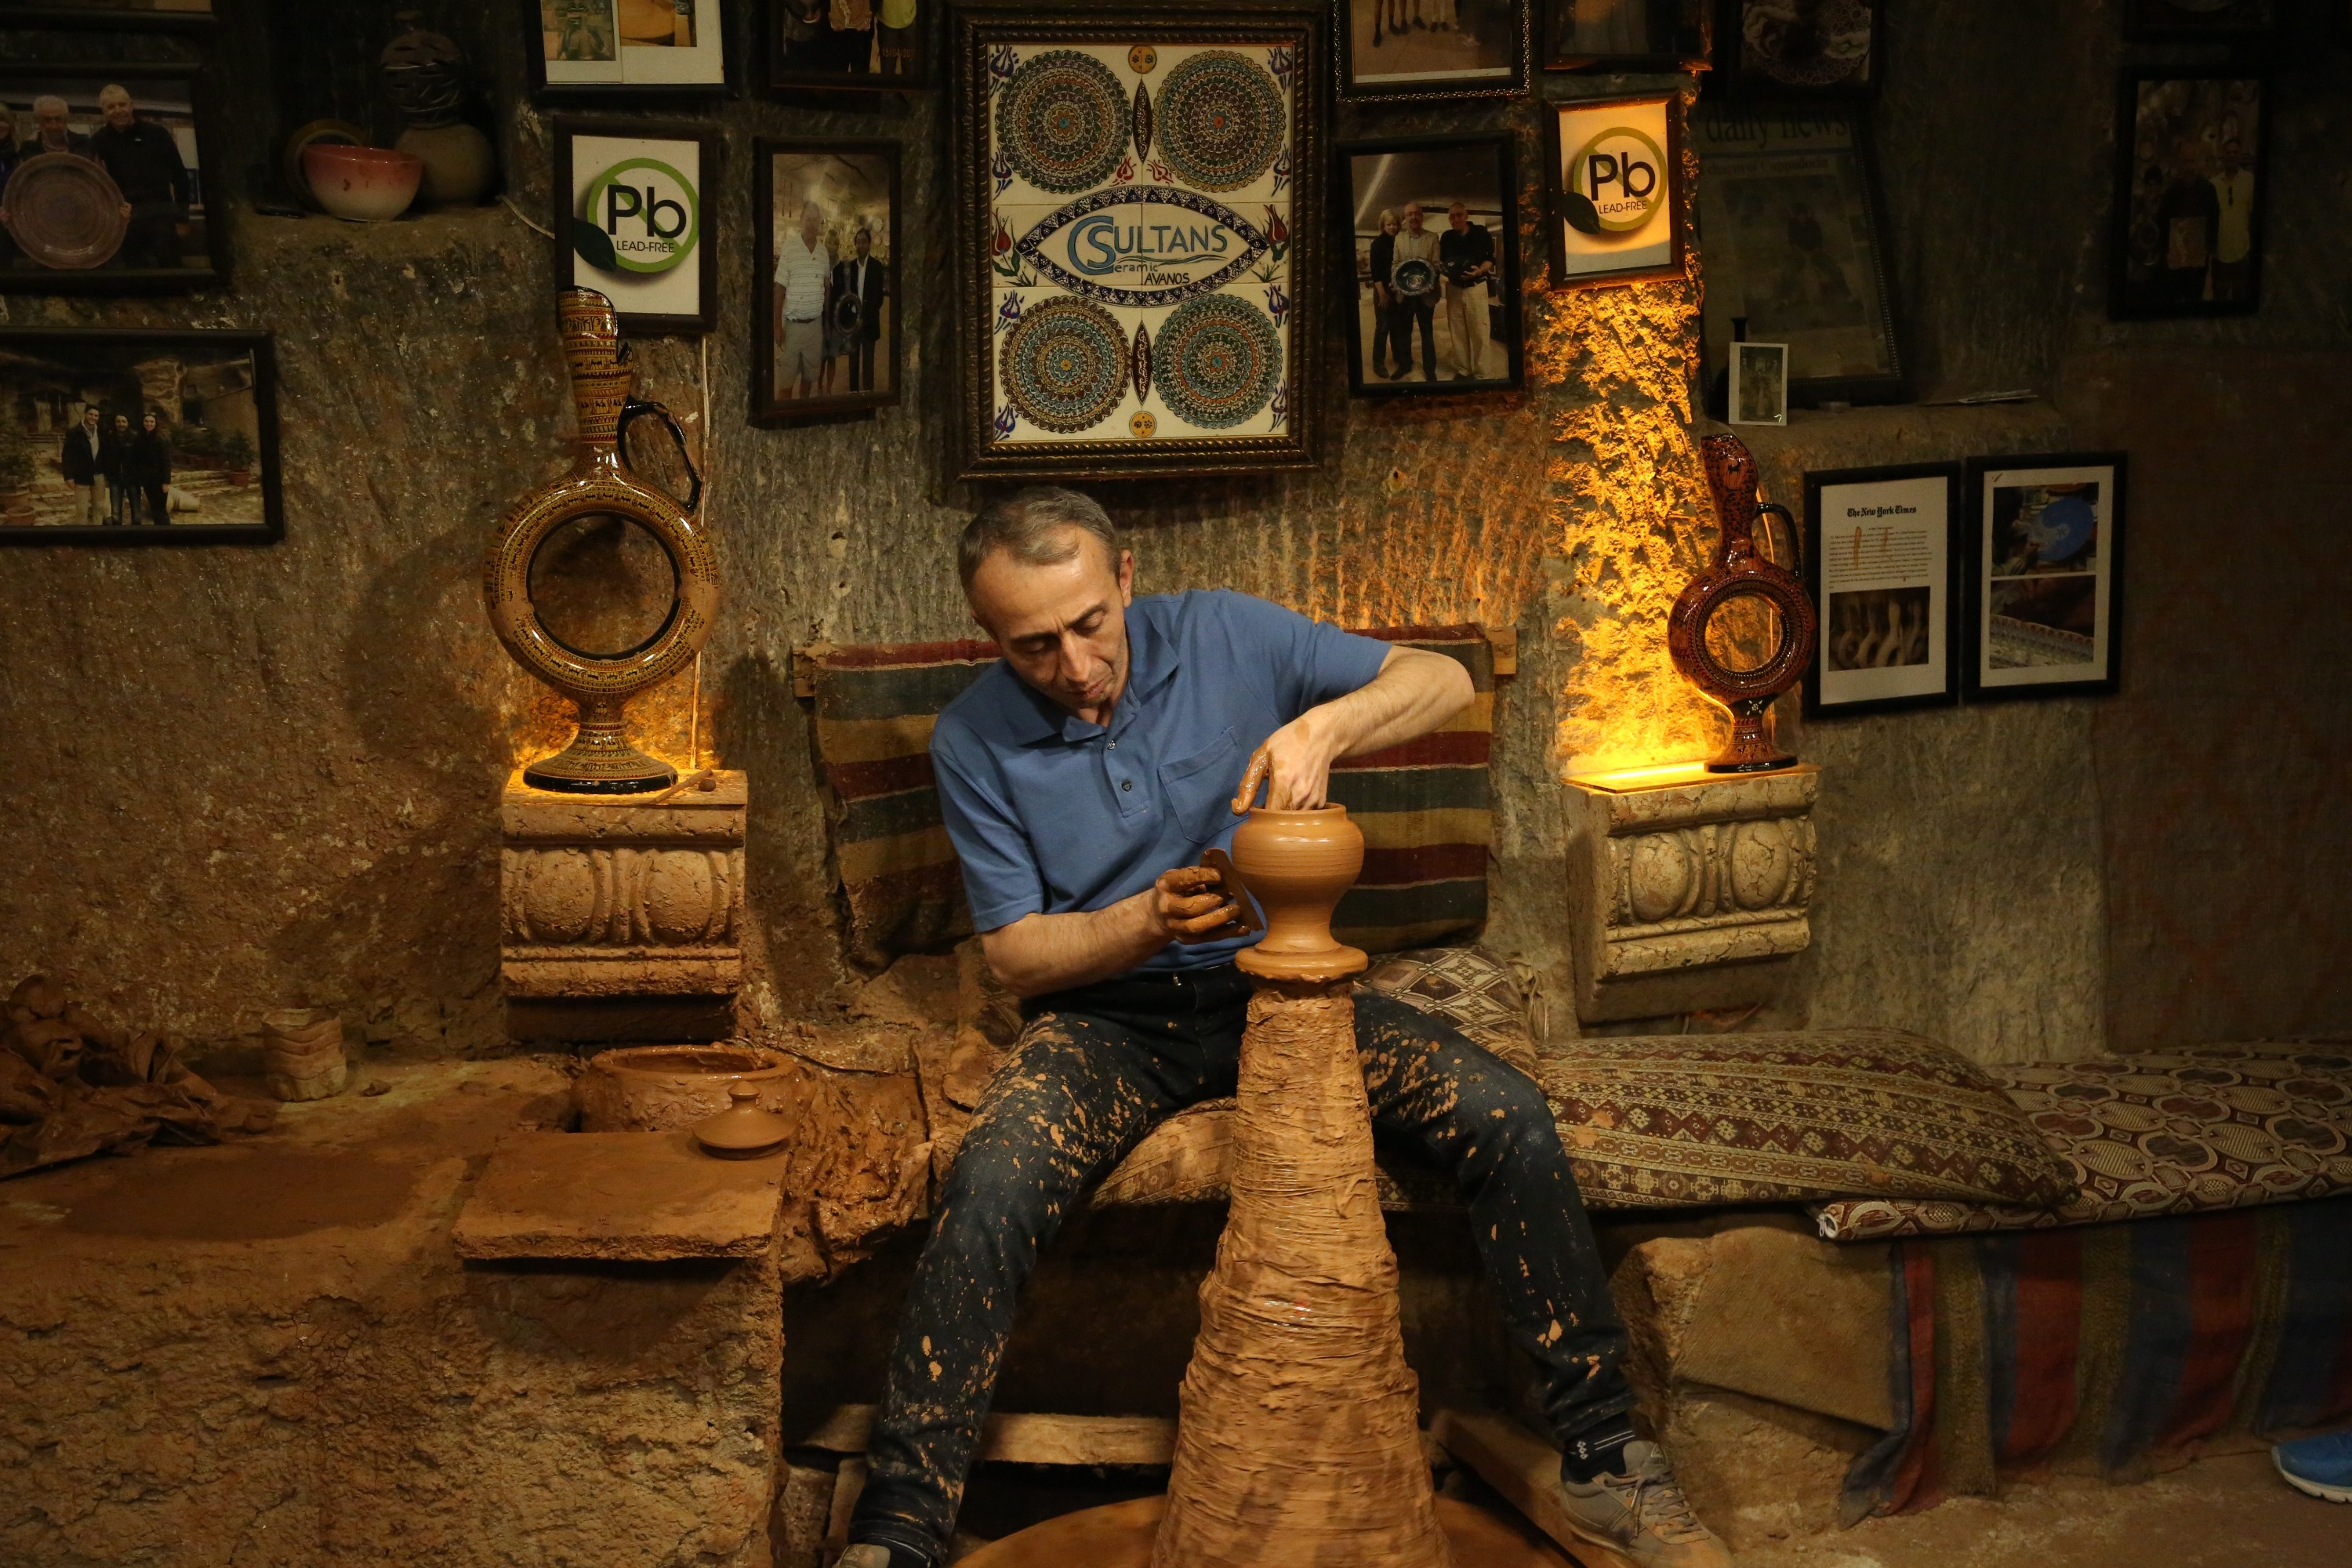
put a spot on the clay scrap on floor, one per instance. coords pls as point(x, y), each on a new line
point(71, 1086)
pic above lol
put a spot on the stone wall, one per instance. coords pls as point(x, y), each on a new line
point(251, 777)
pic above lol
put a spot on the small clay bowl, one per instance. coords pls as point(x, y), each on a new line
point(363, 185)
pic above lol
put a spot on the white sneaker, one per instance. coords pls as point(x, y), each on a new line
point(864, 1555)
point(1642, 1516)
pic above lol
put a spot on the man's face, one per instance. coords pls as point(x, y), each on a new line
point(89, 418)
point(809, 227)
point(1457, 218)
point(1062, 626)
point(52, 123)
point(865, 243)
point(2233, 157)
point(122, 424)
point(115, 104)
point(1412, 217)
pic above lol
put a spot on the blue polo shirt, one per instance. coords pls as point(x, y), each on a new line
point(1050, 814)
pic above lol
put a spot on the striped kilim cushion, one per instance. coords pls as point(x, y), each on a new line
point(1422, 806)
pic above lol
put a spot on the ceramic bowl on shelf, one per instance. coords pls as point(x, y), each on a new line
point(365, 184)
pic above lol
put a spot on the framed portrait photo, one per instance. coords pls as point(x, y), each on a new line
point(604, 49)
point(1433, 48)
point(137, 437)
point(828, 284)
point(1789, 212)
point(1433, 234)
point(1636, 35)
point(1760, 384)
point(1614, 177)
point(849, 46)
point(1139, 239)
point(631, 220)
point(2045, 574)
point(2159, 20)
point(1799, 48)
point(102, 180)
point(1883, 564)
point(2190, 194)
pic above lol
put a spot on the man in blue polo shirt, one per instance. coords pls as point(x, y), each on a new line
point(1082, 777)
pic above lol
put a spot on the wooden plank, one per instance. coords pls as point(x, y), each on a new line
point(1025, 1438)
point(1523, 1467)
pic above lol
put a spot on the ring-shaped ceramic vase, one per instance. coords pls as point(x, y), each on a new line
point(600, 760)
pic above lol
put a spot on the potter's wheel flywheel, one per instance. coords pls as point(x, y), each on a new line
point(1120, 1536)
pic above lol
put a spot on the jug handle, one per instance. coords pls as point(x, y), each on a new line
point(1788, 523)
point(635, 406)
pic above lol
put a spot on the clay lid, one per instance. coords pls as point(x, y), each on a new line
point(742, 1129)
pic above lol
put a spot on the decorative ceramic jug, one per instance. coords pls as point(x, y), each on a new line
point(1296, 865)
point(600, 760)
point(1741, 572)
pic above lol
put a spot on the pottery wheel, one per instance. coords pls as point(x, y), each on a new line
point(1120, 1536)
point(65, 210)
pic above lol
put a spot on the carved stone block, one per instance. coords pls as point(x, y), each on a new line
point(1684, 884)
point(623, 896)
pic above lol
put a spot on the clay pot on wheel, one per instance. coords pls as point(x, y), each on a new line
point(1297, 864)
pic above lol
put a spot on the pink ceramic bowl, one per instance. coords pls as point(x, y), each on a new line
point(366, 184)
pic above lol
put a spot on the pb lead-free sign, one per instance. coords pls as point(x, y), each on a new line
point(1616, 191)
point(634, 225)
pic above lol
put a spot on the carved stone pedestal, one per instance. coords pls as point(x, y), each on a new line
point(1685, 887)
point(621, 917)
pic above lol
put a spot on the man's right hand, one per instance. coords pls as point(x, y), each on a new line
point(1190, 906)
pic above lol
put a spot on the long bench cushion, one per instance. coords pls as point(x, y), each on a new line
point(1680, 1120)
point(1424, 806)
point(2217, 1127)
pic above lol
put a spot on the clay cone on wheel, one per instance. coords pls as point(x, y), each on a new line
point(1300, 1442)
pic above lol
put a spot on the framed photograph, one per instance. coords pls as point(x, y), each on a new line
point(849, 46)
point(1882, 563)
point(1632, 34)
point(2045, 574)
point(2189, 194)
point(1139, 239)
point(1799, 48)
point(1433, 48)
point(1434, 240)
point(146, 16)
point(1788, 207)
point(2148, 21)
point(630, 220)
point(826, 342)
point(1615, 179)
point(595, 50)
point(1760, 384)
point(137, 437)
point(102, 180)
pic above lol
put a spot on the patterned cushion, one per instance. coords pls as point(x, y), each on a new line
point(1422, 806)
point(2214, 1128)
point(1469, 987)
point(1669, 1121)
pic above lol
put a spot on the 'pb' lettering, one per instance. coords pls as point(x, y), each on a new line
point(1631, 176)
point(629, 201)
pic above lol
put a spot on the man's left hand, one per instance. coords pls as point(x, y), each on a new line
point(1294, 764)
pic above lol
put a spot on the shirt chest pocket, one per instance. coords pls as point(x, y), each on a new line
point(1199, 788)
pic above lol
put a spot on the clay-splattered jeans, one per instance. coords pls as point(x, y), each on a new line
point(1099, 1067)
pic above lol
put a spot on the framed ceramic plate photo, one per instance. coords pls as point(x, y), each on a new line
point(2046, 576)
point(137, 437)
point(1140, 233)
point(1883, 564)
point(1614, 177)
point(1422, 49)
point(1433, 231)
point(631, 221)
point(102, 180)
point(828, 285)
point(1627, 34)
point(607, 50)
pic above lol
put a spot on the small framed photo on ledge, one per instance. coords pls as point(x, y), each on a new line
point(1760, 384)
point(631, 222)
point(604, 49)
point(1627, 34)
point(1614, 178)
point(2046, 576)
point(2190, 194)
point(829, 285)
point(1434, 241)
point(1882, 563)
point(1433, 48)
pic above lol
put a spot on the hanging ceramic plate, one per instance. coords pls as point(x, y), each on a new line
point(65, 210)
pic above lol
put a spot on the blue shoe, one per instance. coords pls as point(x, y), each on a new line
point(2321, 1465)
